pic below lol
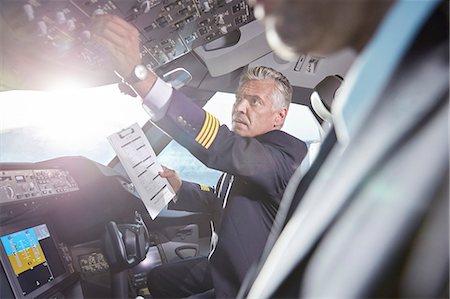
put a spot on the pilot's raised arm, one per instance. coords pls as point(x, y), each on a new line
point(257, 157)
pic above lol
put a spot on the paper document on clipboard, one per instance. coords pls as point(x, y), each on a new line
point(139, 160)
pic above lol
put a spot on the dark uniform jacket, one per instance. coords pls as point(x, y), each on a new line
point(257, 172)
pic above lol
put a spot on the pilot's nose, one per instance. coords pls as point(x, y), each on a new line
point(240, 106)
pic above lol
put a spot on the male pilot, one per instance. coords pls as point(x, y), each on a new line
point(256, 156)
point(372, 220)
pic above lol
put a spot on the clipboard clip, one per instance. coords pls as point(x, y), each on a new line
point(125, 132)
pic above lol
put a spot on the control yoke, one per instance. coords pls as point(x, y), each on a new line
point(126, 245)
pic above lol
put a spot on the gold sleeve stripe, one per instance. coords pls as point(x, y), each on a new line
point(208, 130)
point(214, 133)
point(205, 125)
point(204, 188)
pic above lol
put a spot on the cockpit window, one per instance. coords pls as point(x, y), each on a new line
point(40, 125)
point(188, 167)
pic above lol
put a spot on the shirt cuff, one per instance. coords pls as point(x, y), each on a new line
point(157, 101)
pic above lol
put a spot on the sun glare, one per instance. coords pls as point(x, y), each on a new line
point(66, 86)
point(70, 119)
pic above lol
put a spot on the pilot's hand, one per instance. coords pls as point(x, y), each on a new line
point(172, 177)
point(121, 39)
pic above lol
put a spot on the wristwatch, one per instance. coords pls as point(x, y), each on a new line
point(139, 73)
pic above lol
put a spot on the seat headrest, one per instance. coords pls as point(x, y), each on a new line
point(323, 96)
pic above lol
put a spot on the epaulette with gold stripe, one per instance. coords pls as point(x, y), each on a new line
point(209, 131)
point(204, 188)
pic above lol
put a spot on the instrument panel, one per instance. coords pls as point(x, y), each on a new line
point(53, 215)
point(57, 33)
point(17, 185)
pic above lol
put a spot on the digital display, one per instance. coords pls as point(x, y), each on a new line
point(33, 257)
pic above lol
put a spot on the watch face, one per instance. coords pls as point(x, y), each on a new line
point(141, 72)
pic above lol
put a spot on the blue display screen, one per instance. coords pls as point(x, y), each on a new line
point(33, 257)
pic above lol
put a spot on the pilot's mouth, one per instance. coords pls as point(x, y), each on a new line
point(238, 121)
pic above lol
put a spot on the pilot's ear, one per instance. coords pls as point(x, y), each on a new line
point(280, 117)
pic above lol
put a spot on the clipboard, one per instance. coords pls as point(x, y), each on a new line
point(139, 161)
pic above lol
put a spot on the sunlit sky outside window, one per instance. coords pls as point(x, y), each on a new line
point(39, 125)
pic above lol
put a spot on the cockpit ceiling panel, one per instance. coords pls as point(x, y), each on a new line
point(44, 40)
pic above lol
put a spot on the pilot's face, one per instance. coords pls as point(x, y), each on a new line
point(320, 26)
point(253, 112)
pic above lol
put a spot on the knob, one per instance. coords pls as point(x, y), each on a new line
point(60, 17)
point(71, 25)
point(223, 29)
point(145, 6)
point(9, 192)
point(220, 20)
point(86, 35)
point(206, 6)
point(29, 11)
point(42, 27)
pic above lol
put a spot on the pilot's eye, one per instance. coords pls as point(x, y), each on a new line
point(255, 102)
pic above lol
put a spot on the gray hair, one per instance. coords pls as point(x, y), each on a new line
point(282, 93)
